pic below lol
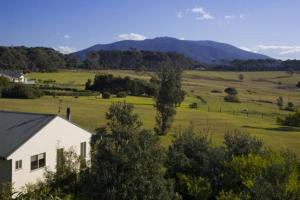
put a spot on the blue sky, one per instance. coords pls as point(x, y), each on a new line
point(271, 27)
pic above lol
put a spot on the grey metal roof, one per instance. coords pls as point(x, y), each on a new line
point(10, 73)
point(17, 127)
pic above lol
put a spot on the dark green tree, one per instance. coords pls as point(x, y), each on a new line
point(280, 102)
point(169, 95)
point(127, 160)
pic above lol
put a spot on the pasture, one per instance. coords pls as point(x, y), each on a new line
point(258, 93)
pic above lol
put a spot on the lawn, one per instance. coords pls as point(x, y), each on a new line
point(258, 92)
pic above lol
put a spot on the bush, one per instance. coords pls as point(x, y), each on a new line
point(216, 91)
point(121, 94)
point(231, 91)
point(232, 98)
point(290, 120)
point(298, 84)
point(105, 95)
point(290, 106)
point(193, 105)
point(20, 91)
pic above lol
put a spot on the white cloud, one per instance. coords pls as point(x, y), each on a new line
point(179, 15)
point(202, 13)
point(130, 36)
point(65, 49)
point(66, 36)
point(242, 15)
point(229, 17)
point(182, 38)
point(277, 51)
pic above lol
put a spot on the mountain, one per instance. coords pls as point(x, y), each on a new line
point(202, 51)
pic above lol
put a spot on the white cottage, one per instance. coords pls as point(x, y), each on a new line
point(30, 142)
point(14, 76)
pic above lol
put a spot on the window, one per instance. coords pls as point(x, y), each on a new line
point(60, 157)
point(83, 149)
point(18, 164)
point(38, 161)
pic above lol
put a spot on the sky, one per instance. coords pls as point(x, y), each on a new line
point(270, 27)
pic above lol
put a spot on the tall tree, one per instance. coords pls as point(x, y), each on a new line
point(168, 97)
point(127, 160)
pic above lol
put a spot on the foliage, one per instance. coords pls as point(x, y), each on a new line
point(298, 84)
point(20, 91)
point(130, 59)
point(257, 65)
point(232, 98)
point(238, 143)
point(4, 82)
point(168, 97)
point(127, 160)
point(31, 59)
point(114, 85)
point(105, 95)
point(242, 169)
point(280, 102)
point(231, 91)
point(194, 188)
point(6, 191)
point(193, 105)
point(290, 120)
point(241, 77)
point(290, 106)
point(121, 94)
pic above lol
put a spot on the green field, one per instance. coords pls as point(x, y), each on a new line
point(258, 93)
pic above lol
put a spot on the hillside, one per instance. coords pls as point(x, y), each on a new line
point(202, 51)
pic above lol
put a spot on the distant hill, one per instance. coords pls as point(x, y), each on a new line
point(202, 51)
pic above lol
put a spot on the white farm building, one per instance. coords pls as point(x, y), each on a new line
point(30, 142)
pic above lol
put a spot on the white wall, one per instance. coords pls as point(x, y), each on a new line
point(59, 133)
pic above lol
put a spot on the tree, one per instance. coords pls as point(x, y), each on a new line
point(241, 77)
point(290, 106)
point(168, 97)
point(280, 102)
point(231, 91)
point(231, 95)
point(127, 160)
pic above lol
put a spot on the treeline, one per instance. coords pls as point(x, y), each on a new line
point(47, 59)
point(114, 85)
point(257, 65)
point(128, 162)
point(133, 59)
point(31, 59)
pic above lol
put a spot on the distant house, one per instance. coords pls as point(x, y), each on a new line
point(14, 76)
point(30, 142)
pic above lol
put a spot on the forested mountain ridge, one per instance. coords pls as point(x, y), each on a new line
point(203, 51)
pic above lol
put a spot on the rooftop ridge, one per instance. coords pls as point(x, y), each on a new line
point(29, 113)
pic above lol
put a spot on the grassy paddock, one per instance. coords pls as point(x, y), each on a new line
point(258, 92)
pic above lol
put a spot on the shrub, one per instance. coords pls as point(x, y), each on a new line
point(20, 91)
point(290, 106)
point(298, 84)
point(216, 91)
point(105, 95)
point(193, 105)
point(290, 120)
point(231, 91)
point(232, 98)
point(4, 82)
point(121, 94)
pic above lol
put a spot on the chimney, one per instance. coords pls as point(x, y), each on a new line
point(69, 114)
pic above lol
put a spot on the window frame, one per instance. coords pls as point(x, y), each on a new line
point(18, 165)
point(83, 149)
point(40, 162)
